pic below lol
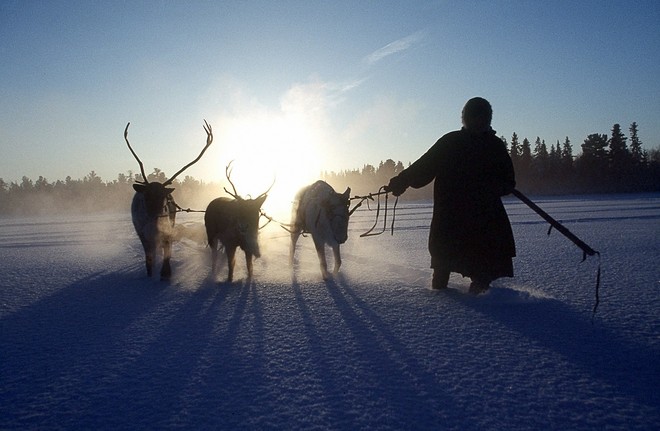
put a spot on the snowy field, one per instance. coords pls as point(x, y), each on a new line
point(88, 342)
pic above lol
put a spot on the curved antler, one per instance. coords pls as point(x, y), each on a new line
point(266, 192)
point(228, 171)
point(209, 140)
point(144, 176)
point(235, 195)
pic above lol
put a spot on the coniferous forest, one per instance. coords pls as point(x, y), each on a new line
point(613, 163)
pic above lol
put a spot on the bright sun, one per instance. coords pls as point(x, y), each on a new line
point(266, 149)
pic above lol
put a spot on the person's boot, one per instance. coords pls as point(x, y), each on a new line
point(479, 286)
point(440, 279)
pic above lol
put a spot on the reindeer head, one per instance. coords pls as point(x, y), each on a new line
point(336, 207)
point(248, 213)
point(155, 197)
point(155, 193)
point(247, 220)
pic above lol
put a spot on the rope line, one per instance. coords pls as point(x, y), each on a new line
point(369, 197)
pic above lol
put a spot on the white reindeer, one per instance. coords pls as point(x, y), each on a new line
point(321, 211)
point(153, 211)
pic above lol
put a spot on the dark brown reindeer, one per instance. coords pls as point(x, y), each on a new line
point(234, 223)
point(321, 211)
point(153, 211)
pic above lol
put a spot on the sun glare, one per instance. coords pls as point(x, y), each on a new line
point(268, 149)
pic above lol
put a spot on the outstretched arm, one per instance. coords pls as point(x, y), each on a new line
point(417, 175)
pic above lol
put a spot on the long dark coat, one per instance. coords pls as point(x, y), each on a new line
point(470, 230)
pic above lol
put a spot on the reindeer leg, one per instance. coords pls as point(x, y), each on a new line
point(248, 261)
point(148, 254)
point(231, 261)
point(320, 251)
point(214, 257)
point(335, 251)
point(292, 250)
point(166, 270)
point(149, 260)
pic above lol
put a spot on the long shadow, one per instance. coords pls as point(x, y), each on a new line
point(64, 339)
point(197, 360)
point(235, 379)
point(111, 350)
point(630, 367)
point(411, 394)
point(326, 374)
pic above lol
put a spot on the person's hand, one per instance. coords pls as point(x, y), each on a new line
point(396, 186)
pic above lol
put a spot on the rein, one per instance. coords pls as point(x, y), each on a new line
point(369, 197)
point(366, 198)
point(269, 218)
point(186, 210)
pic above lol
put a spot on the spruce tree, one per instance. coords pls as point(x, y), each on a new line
point(636, 152)
point(540, 150)
point(566, 161)
point(524, 166)
point(515, 148)
point(618, 148)
point(541, 159)
point(595, 147)
point(593, 163)
point(554, 151)
point(526, 153)
point(567, 153)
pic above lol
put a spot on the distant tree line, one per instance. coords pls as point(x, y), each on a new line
point(617, 164)
point(90, 194)
point(614, 164)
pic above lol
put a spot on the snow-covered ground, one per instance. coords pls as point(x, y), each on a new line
point(88, 342)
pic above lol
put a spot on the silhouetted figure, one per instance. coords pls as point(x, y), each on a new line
point(470, 230)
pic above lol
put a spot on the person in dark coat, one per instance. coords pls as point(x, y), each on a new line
point(470, 230)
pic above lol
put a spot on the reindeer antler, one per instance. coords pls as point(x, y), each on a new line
point(144, 176)
point(228, 171)
point(209, 140)
point(266, 192)
point(235, 195)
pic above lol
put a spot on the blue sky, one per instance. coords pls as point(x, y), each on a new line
point(305, 86)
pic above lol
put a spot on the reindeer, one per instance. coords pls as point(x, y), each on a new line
point(319, 210)
point(234, 223)
point(153, 211)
